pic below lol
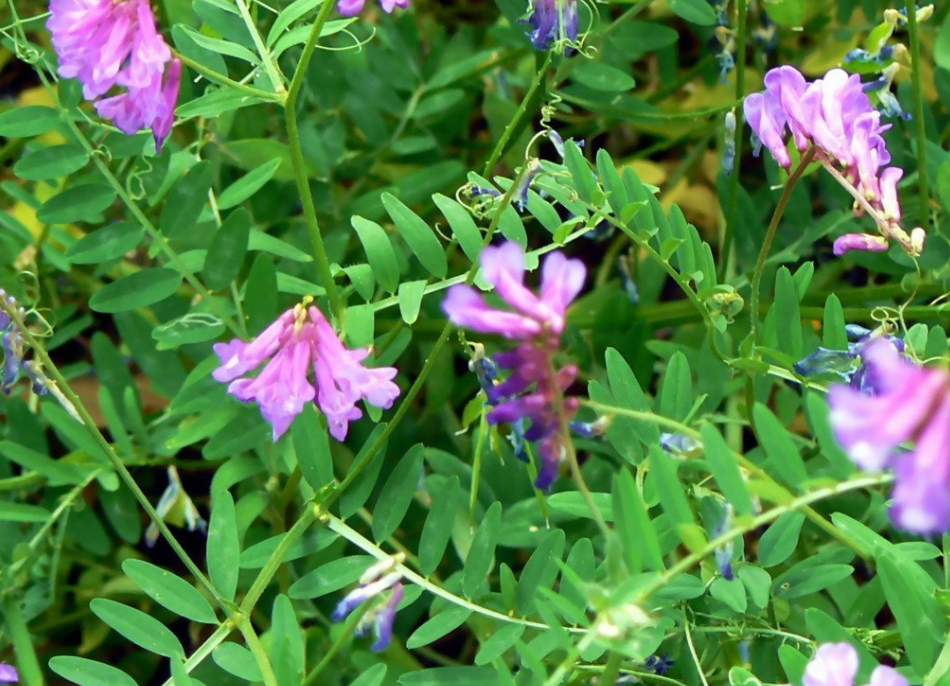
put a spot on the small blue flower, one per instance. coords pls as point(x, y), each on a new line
point(553, 22)
point(659, 664)
point(521, 192)
point(723, 554)
point(379, 580)
point(729, 143)
point(679, 445)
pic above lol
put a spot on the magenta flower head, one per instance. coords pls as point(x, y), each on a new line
point(835, 118)
point(109, 44)
point(308, 362)
point(8, 674)
point(350, 8)
point(909, 405)
point(836, 664)
point(534, 387)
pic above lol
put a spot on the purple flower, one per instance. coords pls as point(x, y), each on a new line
point(108, 44)
point(910, 404)
point(8, 674)
point(834, 116)
point(836, 664)
point(533, 389)
point(380, 579)
point(553, 23)
point(350, 8)
point(301, 340)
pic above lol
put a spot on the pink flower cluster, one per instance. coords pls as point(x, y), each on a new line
point(301, 340)
point(836, 664)
point(834, 116)
point(350, 8)
point(534, 386)
point(908, 404)
point(109, 43)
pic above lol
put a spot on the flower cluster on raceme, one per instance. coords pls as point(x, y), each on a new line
point(350, 8)
point(535, 387)
point(836, 664)
point(553, 24)
point(900, 404)
point(115, 43)
point(834, 117)
point(308, 362)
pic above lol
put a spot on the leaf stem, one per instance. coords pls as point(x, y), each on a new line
point(27, 662)
point(257, 650)
point(321, 261)
point(223, 80)
point(273, 73)
point(920, 124)
point(754, 317)
point(729, 226)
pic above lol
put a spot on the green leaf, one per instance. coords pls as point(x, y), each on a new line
point(462, 225)
point(330, 577)
point(816, 409)
point(575, 504)
point(438, 626)
point(583, 177)
point(247, 185)
point(312, 447)
point(224, 546)
point(288, 16)
point(695, 11)
point(140, 628)
point(251, 153)
point(410, 300)
point(108, 243)
point(85, 672)
point(498, 643)
point(221, 47)
point(397, 493)
point(227, 251)
point(725, 470)
point(22, 512)
point(379, 252)
point(29, 120)
point(676, 391)
point(784, 457)
point(788, 319)
point(437, 529)
point(832, 330)
point(135, 291)
point(669, 488)
point(731, 593)
point(194, 327)
point(638, 538)
point(260, 300)
point(779, 542)
point(359, 491)
point(801, 581)
point(482, 551)
point(372, 677)
point(785, 12)
point(909, 602)
point(603, 77)
point(420, 237)
point(78, 203)
point(51, 163)
point(452, 676)
point(540, 570)
point(186, 199)
point(216, 102)
point(169, 590)
point(235, 659)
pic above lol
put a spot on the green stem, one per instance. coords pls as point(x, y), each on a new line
point(257, 650)
point(205, 649)
point(321, 261)
point(770, 236)
point(47, 364)
point(273, 563)
point(516, 120)
point(728, 236)
point(223, 80)
point(26, 661)
point(346, 633)
point(273, 73)
point(920, 124)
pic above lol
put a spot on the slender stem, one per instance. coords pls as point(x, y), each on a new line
point(346, 633)
point(611, 670)
point(27, 662)
point(205, 649)
point(920, 124)
point(257, 650)
point(311, 511)
point(273, 73)
point(477, 464)
point(516, 120)
point(47, 364)
point(729, 227)
point(223, 80)
point(321, 261)
point(807, 157)
point(692, 649)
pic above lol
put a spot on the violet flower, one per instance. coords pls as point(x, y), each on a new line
point(836, 664)
point(377, 581)
point(108, 44)
point(534, 389)
point(8, 674)
point(350, 8)
point(299, 342)
point(834, 117)
point(848, 365)
point(910, 405)
point(553, 24)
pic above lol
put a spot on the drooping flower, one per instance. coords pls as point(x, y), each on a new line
point(8, 674)
point(909, 405)
point(834, 117)
point(553, 24)
point(836, 664)
point(350, 8)
point(107, 44)
point(849, 364)
point(301, 340)
point(379, 580)
point(534, 389)
point(175, 507)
